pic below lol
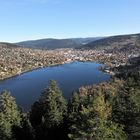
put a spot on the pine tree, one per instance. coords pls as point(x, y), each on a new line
point(9, 115)
point(54, 105)
point(93, 122)
point(25, 130)
point(49, 111)
point(126, 108)
point(74, 106)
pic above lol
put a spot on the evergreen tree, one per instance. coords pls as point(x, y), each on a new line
point(9, 115)
point(48, 113)
point(54, 105)
point(25, 130)
point(36, 114)
point(93, 122)
point(126, 108)
point(74, 106)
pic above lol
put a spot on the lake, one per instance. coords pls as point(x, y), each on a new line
point(27, 87)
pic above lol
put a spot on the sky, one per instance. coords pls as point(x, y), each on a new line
point(35, 19)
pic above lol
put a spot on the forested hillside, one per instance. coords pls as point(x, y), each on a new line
point(122, 43)
point(57, 43)
point(8, 45)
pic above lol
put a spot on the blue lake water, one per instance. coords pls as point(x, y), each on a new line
point(27, 87)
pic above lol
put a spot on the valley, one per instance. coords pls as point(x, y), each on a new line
point(15, 59)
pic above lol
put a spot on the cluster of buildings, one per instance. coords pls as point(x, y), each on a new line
point(14, 61)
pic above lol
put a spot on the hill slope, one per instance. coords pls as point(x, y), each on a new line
point(8, 45)
point(56, 43)
point(121, 43)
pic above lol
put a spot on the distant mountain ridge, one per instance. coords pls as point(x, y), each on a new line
point(51, 43)
point(120, 42)
point(5, 44)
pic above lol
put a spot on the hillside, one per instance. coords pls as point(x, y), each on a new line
point(116, 43)
point(15, 60)
point(56, 43)
point(8, 45)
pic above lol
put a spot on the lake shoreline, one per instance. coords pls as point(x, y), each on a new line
point(26, 88)
point(26, 71)
point(51, 65)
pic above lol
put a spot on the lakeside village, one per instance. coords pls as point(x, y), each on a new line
point(14, 61)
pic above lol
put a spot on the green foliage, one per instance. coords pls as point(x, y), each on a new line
point(36, 114)
point(9, 115)
point(74, 103)
point(109, 111)
point(25, 130)
point(54, 105)
point(74, 106)
point(126, 108)
point(48, 113)
point(92, 121)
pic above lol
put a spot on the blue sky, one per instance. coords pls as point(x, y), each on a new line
point(34, 19)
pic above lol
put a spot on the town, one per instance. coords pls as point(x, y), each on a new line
point(17, 60)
